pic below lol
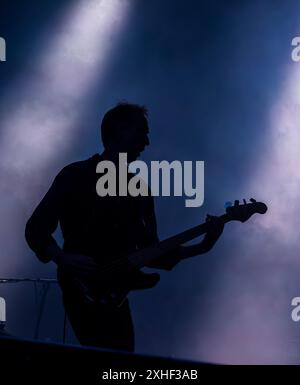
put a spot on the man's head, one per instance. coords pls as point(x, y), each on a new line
point(124, 128)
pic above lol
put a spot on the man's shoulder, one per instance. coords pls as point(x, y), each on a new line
point(78, 168)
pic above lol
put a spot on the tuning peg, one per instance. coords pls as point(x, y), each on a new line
point(227, 204)
point(245, 202)
point(236, 202)
point(252, 200)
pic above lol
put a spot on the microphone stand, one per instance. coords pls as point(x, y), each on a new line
point(46, 284)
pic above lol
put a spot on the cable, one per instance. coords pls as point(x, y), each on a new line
point(65, 328)
point(45, 289)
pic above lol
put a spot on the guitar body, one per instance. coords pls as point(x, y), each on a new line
point(112, 289)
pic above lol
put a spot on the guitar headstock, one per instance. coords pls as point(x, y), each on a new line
point(242, 212)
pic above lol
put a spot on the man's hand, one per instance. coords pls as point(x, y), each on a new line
point(216, 227)
point(80, 264)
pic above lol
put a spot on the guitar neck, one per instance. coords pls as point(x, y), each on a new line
point(143, 257)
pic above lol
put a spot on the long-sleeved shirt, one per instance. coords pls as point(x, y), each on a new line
point(100, 227)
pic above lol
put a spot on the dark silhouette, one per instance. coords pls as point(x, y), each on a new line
point(97, 231)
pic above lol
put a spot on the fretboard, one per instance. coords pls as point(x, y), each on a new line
point(142, 257)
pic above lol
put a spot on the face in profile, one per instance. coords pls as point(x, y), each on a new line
point(133, 138)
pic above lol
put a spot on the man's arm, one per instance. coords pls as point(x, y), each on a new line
point(170, 259)
point(44, 221)
point(216, 227)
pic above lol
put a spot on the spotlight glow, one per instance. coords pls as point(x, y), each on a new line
point(43, 106)
point(48, 102)
point(252, 319)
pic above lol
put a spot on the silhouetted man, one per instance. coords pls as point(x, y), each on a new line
point(97, 230)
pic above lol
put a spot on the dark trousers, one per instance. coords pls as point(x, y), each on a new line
point(99, 325)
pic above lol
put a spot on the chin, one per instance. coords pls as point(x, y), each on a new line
point(133, 157)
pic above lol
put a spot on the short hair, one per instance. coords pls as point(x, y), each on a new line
point(118, 118)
